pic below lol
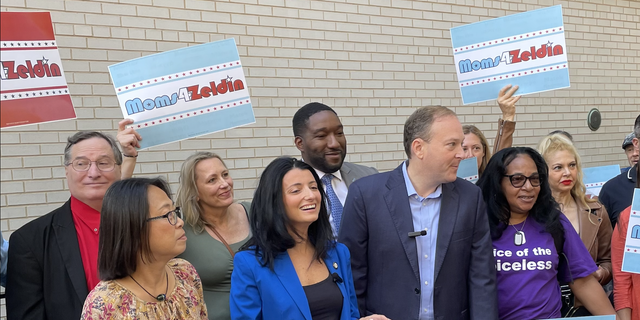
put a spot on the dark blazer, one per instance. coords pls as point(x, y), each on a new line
point(46, 277)
point(384, 259)
point(259, 293)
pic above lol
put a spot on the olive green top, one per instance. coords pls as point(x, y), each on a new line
point(214, 264)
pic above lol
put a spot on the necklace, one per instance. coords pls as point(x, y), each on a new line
point(161, 297)
point(519, 239)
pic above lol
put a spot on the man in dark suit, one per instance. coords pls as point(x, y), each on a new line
point(319, 135)
point(418, 236)
point(53, 259)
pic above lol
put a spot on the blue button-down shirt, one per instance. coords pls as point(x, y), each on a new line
point(426, 216)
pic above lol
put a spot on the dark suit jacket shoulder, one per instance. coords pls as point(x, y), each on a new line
point(46, 277)
point(384, 259)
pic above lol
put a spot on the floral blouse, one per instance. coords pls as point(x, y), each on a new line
point(110, 300)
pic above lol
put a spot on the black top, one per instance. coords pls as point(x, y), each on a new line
point(617, 194)
point(325, 300)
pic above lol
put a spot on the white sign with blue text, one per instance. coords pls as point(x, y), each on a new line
point(184, 93)
point(527, 49)
point(631, 256)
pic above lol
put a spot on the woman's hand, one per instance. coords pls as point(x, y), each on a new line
point(375, 317)
point(507, 102)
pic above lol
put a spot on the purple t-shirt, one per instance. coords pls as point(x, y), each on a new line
point(527, 275)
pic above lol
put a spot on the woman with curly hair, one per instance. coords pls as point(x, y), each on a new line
point(535, 246)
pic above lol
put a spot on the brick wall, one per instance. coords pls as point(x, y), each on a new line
point(374, 61)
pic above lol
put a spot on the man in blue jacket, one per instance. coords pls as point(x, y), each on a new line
point(418, 235)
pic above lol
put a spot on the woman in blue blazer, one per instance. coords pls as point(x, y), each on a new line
point(292, 268)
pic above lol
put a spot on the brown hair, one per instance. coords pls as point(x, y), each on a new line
point(419, 123)
point(471, 129)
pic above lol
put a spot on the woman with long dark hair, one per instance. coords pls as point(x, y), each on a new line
point(292, 267)
point(535, 246)
point(140, 235)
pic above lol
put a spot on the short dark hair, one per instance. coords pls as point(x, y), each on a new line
point(269, 220)
point(418, 125)
point(301, 118)
point(124, 230)
point(562, 132)
point(84, 135)
point(545, 211)
point(636, 127)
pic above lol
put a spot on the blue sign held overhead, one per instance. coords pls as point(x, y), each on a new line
point(527, 49)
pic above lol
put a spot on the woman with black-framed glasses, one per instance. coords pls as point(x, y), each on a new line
point(534, 245)
point(141, 234)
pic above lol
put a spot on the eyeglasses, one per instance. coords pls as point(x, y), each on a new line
point(172, 216)
point(519, 180)
point(81, 165)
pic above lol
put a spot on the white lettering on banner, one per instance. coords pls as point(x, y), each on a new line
point(524, 264)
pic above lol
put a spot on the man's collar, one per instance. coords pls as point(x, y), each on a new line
point(81, 206)
point(336, 174)
point(411, 190)
point(321, 174)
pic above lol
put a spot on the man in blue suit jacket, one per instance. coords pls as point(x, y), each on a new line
point(418, 236)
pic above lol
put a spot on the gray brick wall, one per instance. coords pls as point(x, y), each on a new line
point(374, 61)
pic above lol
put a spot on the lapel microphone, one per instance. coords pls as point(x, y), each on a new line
point(336, 278)
point(417, 233)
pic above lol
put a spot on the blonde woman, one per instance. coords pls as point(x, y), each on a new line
point(216, 226)
point(587, 216)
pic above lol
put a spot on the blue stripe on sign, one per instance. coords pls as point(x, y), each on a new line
point(631, 262)
point(196, 126)
point(514, 71)
point(182, 111)
point(502, 27)
point(174, 61)
point(600, 174)
point(468, 167)
point(204, 73)
point(635, 206)
point(533, 83)
point(512, 41)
